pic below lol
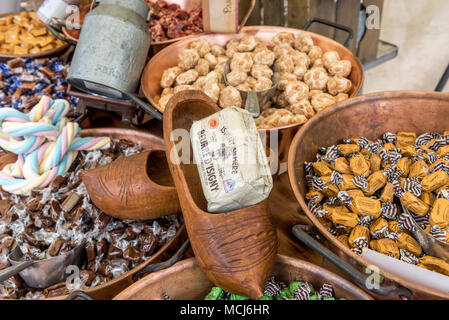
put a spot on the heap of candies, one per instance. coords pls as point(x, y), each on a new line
point(276, 290)
point(24, 81)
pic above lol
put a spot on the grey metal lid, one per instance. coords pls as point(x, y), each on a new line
point(138, 6)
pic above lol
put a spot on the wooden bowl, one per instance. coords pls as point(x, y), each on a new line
point(111, 288)
point(49, 53)
point(166, 58)
point(369, 116)
point(186, 281)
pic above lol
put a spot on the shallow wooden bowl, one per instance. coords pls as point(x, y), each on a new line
point(186, 281)
point(369, 116)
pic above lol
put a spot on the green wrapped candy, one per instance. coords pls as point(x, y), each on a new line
point(284, 293)
point(294, 285)
point(264, 297)
point(215, 294)
point(314, 297)
point(237, 297)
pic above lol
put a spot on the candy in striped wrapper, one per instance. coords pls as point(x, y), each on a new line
point(361, 243)
point(438, 233)
point(391, 235)
point(443, 194)
point(331, 154)
point(406, 222)
point(301, 294)
point(443, 166)
point(363, 143)
point(272, 288)
point(360, 182)
point(408, 257)
point(326, 291)
point(432, 157)
point(413, 185)
point(437, 144)
point(357, 250)
point(344, 197)
point(389, 137)
point(383, 154)
point(365, 221)
point(425, 138)
point(389, 210)
point(395, 156)
point(336, 178)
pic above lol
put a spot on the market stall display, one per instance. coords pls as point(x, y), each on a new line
point(166, 283)
point(24, 35)
point(370, 117)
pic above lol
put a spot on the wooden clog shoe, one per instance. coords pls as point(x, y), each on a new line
point(237, 249)
point(137, 187)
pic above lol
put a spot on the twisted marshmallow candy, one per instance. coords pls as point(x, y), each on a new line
point(46, 144)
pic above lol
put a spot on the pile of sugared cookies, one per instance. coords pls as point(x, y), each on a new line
point(24, 33)
point(310, 79)
point(356, 189)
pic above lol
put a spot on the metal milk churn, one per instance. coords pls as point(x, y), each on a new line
point(112, 49)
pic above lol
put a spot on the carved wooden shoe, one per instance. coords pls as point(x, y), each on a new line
point(137, 187)
point(237, 249)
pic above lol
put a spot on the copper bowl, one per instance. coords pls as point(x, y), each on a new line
point(369, 116)
point(150, 81)
point(111, 288)
point(186, 281)
point(49, 53)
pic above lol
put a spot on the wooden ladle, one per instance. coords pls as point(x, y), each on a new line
point(137, 187)
point(237, 249)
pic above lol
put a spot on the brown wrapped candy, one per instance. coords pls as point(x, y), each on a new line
point(359, 232)
point(355, 193)
point(344, 239)
point(394, 226)
point(440, 213)
point(408, 243)
point(405, 139)
point(443, 151)
point(331, 190)
point(387, 194)
point(359, 166)
point(375, 163)
point(428, 198)
point(322, 168)
point(325, 222)
point(341, 215)
point(414, 204)
point(313, 193)
point(348, 148)
point(342, 165)
point(435, 264)
point(404, 166)
point(365, 206)
point(408, 151)
point(419, 169)
point(434, 181)
point(347, 183)
point(385, 246)
point(378, 226)
point(376, 181)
